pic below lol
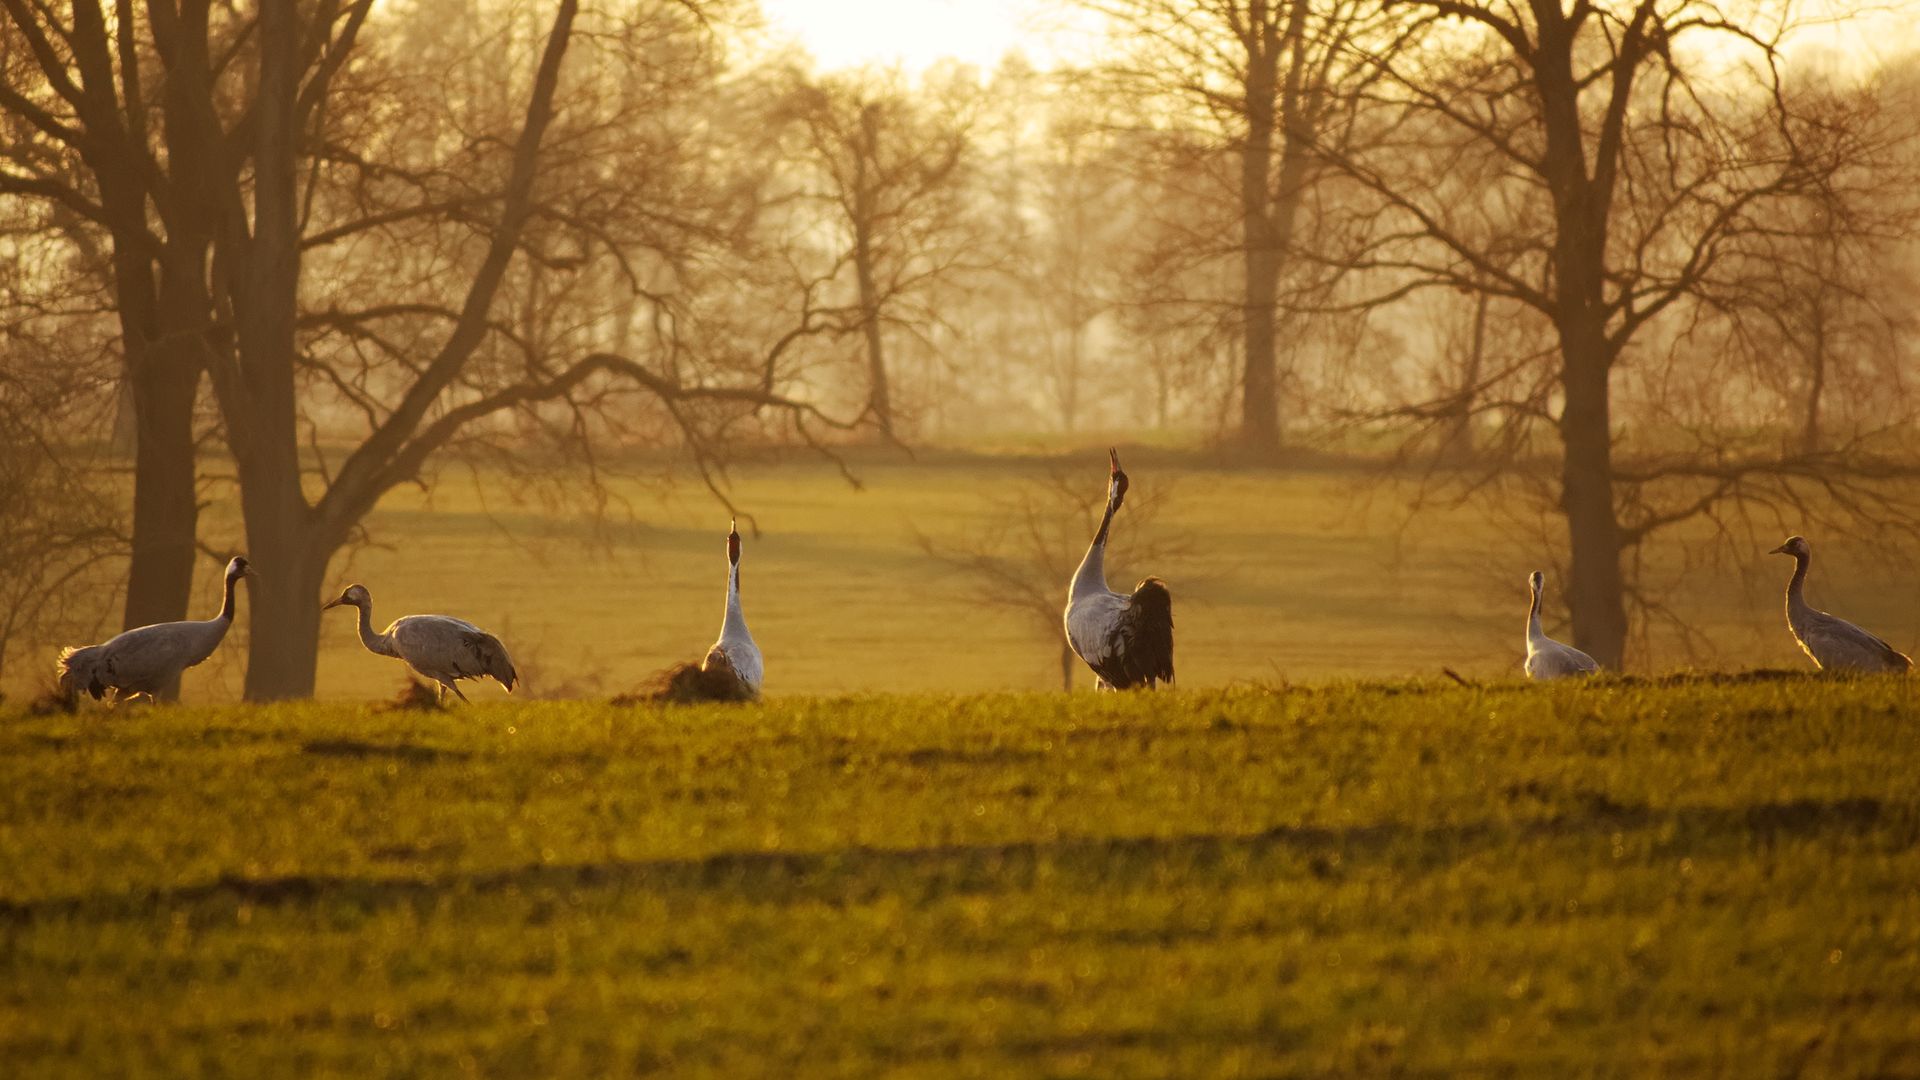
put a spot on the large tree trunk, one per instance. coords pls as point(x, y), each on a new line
point(283, 642)
point(1259, 383)
point(879, 396)
point(1458, 446)
point(1816, 379)
point(865, 160)
point(1595, 591)
point(165, 509)
point(160, 334)
point(283, 645)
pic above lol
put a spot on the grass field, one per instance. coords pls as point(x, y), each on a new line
point(1625, 879)
point(1289, 574)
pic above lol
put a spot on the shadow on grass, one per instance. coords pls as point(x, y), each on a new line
point(407, 752)
point(852, 873)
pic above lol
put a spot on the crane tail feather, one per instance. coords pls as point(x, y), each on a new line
point(1150, 626)
point(1139, 649)
point(492, 658)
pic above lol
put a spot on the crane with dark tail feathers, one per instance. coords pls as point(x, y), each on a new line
point(1127, 639)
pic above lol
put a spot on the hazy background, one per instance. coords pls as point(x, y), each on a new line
point(504, 308)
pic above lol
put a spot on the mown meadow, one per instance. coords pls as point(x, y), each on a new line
point(1308, 573)
point(1633, 878)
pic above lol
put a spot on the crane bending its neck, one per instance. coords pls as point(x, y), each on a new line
point(378, 644)
point(1796, 588)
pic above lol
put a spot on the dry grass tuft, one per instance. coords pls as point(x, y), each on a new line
point(414, 696)
point(690, 684)
point(55, 699)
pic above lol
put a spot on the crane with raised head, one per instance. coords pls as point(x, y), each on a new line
point(1126, 638)
point(1547, 658)
point(1834, 643)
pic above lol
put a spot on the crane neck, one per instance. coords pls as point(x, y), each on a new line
point(1796, 586)
point(226, 601)
point(1092, 575)
point(379, 644)
point(1534, 633)
point(735, 623)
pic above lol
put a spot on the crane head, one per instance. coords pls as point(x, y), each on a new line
point(353, 595)
point(1795, 546)
point(239, 567)
point(1535, 580)
point(733, 543)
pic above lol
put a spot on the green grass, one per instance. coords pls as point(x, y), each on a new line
point(1613, 879)
point(1290, 575)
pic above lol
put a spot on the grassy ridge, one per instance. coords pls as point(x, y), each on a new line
point(1623, 879)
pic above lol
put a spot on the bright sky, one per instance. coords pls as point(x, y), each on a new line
point(914, 34)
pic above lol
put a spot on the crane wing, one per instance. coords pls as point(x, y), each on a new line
point(490, 657)
point(1555, 660)
point(1139, 645)
point(1837, 643)
point(445, 648)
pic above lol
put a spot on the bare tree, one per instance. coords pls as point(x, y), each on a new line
point(884, 170)
point(1269, 83)
point(1576, 161)
point(56, 521)
point(1071, 219)
point(1175, 302)
point(282, 168)
point(94, 129)
point(1820, 306)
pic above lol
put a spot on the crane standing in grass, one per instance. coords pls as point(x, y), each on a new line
point(732, 668)
point(440, 647)
point(147, 659)
point(1126, 639)
point(1547, 658)
point(1834, 643)
point(735, 650)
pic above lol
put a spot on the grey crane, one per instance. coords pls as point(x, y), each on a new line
point(1834, 643)
point(148, 658)
point(1547, 658)
point(735, 650)
point(1127, 639)
point(439, 647)
point(732, 668)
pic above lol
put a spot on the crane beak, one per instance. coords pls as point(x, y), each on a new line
point(1781, 550)
point(1113, 460)
point(333, 603)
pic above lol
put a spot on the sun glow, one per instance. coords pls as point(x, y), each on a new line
point(916, 34)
